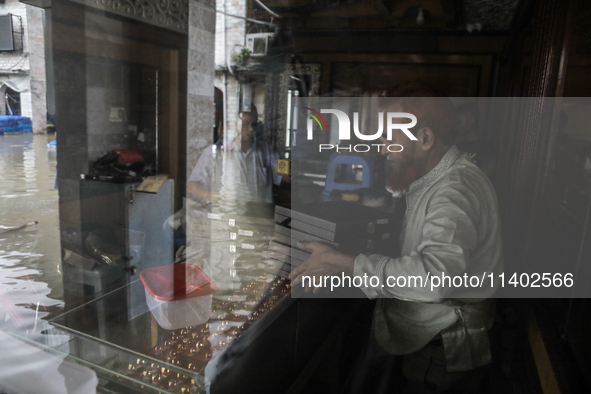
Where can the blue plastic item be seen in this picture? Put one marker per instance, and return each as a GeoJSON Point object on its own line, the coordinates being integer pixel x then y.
{"type": "Point", "coordinates": [15, 124]}
{"type": "Point", "coordinates": [342, 171]}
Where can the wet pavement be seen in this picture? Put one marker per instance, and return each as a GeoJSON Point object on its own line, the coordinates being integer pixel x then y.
{"type": "Point", "coordinates": [30, 270]}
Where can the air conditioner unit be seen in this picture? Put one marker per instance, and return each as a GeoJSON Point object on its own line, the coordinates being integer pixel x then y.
{"type": "Point", "coordinates": [258, 43]}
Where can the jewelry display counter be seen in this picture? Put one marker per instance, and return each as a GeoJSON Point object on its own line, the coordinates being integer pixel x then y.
{"type": "Point", "coordinates": [257, 339]}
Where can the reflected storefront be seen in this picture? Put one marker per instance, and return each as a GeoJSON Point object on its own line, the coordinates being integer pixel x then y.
{"type": "Point", "coordinates": [188, 160]}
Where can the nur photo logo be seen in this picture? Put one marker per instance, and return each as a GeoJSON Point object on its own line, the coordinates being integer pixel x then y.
{"type": "Point", "coordinates": [344, 127]}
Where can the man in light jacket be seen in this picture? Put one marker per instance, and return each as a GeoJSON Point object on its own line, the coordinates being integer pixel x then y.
{"type": "Point", "coordinates": [451, 227]}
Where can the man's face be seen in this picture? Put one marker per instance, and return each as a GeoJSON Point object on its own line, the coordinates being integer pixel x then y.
{"type": "Point", "coordinates": [402, 168]}
{"type": "Point", "coordinates": [247, 122]}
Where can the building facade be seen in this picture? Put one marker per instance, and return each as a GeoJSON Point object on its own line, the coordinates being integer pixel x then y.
{"type": "Point", "coordinates": [22, 63]}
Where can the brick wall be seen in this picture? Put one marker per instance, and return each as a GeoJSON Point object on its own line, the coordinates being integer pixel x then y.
{"type": "Point", "coordinates": [36, 50]}
{"type": "Point", "coordinates": [235, 32]}
{"type": "Point", "coordinates": [232, 88]}
{"type": "Point", "coordinates": [235, 29]}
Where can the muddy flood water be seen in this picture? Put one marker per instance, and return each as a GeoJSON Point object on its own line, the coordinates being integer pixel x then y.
{"type": "Point", "coordinates": [30, 264]}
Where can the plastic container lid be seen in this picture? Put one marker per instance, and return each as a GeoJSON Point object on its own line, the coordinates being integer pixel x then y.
{"type": "Point", "coordinates": [176, 282]}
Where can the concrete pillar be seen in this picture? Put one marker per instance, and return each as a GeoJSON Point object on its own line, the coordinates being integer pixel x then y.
{"type": "Point", "coordinates": [38, 91]}
{"type": "Point", "coordinates": [3, 100]}
{"type": "Point", "coordinates": [200, 115]}
{"type": "Point", "coordinates": [200, 85]}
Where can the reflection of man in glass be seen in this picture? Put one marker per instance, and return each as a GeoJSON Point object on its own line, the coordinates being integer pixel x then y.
{"type": "Point", "coordinates": [451, 226]}
{"type": "Point", "coordinates": [223, 180]}
{"type": "Point", "coordinates": [243, 174]}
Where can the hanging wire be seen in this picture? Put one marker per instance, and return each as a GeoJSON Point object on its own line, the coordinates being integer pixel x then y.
{"type": "Point", "coordinates": [245, 18]}
{"type": "Point", "coordinates": [267, 8]}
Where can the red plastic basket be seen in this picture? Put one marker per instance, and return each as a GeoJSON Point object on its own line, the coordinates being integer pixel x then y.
{"type": "Point", "coordinates": [176, 282]}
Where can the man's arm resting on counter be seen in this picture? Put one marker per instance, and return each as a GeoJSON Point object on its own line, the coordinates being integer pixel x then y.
{"type": "Point", "coordinates": [197, 191]}
{"type": "Point", "coordinates": [199, 182]}
{"type": "Point", "coordinates": [447, 238]}
{"type": "Point", "coordinates": [324, 261]}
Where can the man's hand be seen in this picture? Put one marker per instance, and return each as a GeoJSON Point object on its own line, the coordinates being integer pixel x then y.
{"type": "Point", "coordinates": [324, 261]}
{"type": "Point", "coordinates": [196, 190]}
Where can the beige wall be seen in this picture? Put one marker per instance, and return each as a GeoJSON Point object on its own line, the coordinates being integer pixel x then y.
{"type": "Point", "coordinates": [36, 49]}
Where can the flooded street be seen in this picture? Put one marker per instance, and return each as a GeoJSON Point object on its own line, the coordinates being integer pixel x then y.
{"type": "Point", "coordinates": [30, 271]}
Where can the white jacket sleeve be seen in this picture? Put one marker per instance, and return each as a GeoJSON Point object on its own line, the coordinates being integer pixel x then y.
{"type": "Point", "coordinates": [448, 237]}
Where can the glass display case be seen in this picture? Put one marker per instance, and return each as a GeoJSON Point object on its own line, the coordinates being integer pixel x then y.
{"type": "Point", "coordinates": [247, 332]}
{"type": "Point", "coordinates": [257, 339]}
{"type": "Point", "coordinates": [137, 355]}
